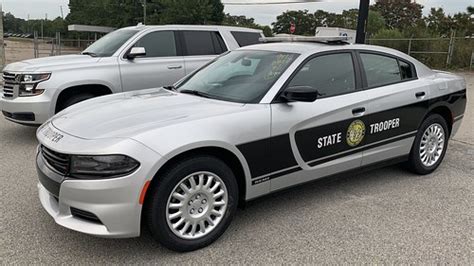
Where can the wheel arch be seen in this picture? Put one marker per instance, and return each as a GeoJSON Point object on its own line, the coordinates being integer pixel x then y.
{"type": "Point", "coordinates": [232, 158]}
{"type": "Point", "coordinates": [94, 88]}
{"type": "Point", "coordinates": [443, 111]}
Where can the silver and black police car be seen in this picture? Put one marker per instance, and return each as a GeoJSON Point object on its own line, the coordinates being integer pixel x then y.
{"type": "Point", "coordinates": [255, 120]}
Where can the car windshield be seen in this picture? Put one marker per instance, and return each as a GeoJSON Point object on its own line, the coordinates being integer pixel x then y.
{"type": "Point", "coordinates": [107, 45]}
{"type": "Point", "coordinates": [242, 76]}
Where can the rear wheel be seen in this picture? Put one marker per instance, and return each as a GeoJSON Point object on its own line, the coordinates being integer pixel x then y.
{"type": "Point", "coordinates": [192, 204]}
{"type": "Point", "coordinates": [430, 145]}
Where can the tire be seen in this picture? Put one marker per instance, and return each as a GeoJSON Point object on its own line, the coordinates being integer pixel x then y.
{"type": "Point", "coordinates": [419, 164]}
{"type": "Point", "coordinates": [159, 199]}
{"type": "Point", "coordinates": [75, 99]}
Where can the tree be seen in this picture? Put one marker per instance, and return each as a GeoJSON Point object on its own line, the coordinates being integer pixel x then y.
{"type": "Point", "coordinates": [438, 23]}
{"type": "Point", "coordinates": [113, 13]}
{"type": "Point", "coordinates": [267, 31]}
{"type": "Point", "coordinates": [11, 23]}
{"type": "Point", "coordinates": [192, 12]}
{"type": "Point", "coordinates": [470, 10]}
{"type": "Point", "coordinates": [241, 21]}
{"type": "Point", "coordinates": [304, 21]}
{"type": "Point", "coordinates": [375, 22]}
{"type": "Point", "coordinates": [400, 14]}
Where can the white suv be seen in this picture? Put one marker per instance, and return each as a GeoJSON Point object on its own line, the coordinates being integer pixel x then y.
{"type": "Point", "coordinates": [131, 58]}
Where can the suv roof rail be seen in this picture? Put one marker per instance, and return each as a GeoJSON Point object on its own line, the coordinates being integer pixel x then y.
{"type": "Point", "coordinates": [318, 39]}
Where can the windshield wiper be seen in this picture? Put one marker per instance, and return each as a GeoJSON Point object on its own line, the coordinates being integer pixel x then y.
{"type": "Point", "coordinates": [197, 93]}
{"type": "Point", "coordinates": [89, 53]}
{"type": "Point", "coordinates": [170, 88]}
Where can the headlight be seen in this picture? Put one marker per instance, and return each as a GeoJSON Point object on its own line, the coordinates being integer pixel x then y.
{"type": "Point", "coordinates": [29, 82]}
{"type": "Point", "coordinates": [34, 78]}
{"type": "Point", "coordinates": [101, 166]}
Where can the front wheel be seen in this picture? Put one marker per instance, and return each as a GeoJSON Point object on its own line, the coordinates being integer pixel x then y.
{"type": "Point", "coordinates": [430, 145]}
{"type": "Point", "coordinates": [74, 99]}
{"type": "Point", "coordinates": [192, 203]}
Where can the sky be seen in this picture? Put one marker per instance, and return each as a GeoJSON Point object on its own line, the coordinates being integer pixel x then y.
{"type": "Point", "coordinates": [263, 14]}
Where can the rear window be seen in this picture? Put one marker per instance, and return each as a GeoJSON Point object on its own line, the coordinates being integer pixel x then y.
{"type": "Point", "coordinates": [382, 70]}
{"type": "Point", "coordinates": [246, 38]}
{"type": "Point", "coordinates": [203, 43]}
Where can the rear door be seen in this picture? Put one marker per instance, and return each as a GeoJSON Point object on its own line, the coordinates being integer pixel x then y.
{"type": "Point", "coordinates": [398, 103]}
{"type": "Point", "coordinates": [311, 140]}
{"type": "Point", "coordinates": [161, 66]}
{"type": "Point", "coordinates": [200, 47]}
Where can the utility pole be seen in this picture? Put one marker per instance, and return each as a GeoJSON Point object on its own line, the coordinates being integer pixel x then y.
{"type": "Point", "coordinates": [42, 25]}
{"type": "Point", "coordinates": [362, 20]}
{"type": "Point", "coordinates": [2, 47]}
{"type": "Point", "coordinates": [144, 12]}
{"type": "Point", "coordinates": [62, 14]}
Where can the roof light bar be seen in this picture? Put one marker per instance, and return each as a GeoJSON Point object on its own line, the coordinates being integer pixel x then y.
{"type": "Point", "coordinates": [320, 39]}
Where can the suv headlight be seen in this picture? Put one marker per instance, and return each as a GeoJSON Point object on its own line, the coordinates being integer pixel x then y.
{"type": "Point", "coordinates": [101, 166]}
{"type": "Point", "coordinates": [29, 82]}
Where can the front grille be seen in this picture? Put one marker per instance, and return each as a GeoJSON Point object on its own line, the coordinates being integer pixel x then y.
{"type": "Point", "coordinates": [57, 161]}
{"type": "Point", "coordinates": [8, 84]}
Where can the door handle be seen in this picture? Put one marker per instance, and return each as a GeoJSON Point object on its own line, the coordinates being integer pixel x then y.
{"type": "Point", "coordinates": [420, 94]}
{"type": "Point", "coordinates": [358, 111]}
{"type": "Point", "coordinates": [174, 67]}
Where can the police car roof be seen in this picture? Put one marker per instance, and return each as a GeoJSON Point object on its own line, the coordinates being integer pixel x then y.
{"type": "Point", "coordinates": [302, 47]}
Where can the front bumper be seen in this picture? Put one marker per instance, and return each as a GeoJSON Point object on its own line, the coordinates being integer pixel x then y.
{"type": "Point", "coordinates": [33, 110]}
{"type": "Point", "coordinates": [114, 202]}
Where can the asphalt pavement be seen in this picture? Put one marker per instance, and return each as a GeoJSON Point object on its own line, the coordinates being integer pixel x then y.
{"type": "Point", "coordinates": [384, 216]}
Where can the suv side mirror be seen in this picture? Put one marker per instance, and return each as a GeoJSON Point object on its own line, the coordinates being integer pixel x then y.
{"type": "Point", "coordinates": [300, 94]}
{"type": "Point", "coordinates": [136, 52]}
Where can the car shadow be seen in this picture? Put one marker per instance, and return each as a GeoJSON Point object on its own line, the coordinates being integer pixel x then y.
{"type": "Point", "coordinates": [325, 191]}
{"type": "Point", "coordinates": [19, 134]}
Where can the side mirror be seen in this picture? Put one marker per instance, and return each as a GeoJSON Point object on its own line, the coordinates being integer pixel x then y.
{"type": "Point", "coordinates": [300, 94]}
{"type": "Point", "coordinates": [136, 52]}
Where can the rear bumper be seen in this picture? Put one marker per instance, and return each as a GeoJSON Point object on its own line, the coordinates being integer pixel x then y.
{"type": "Point", "coordinates": [456, 125]}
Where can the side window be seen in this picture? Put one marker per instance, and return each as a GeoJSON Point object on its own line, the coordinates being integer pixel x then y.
{"type": "Point", "coordinates": [380, 70]}
{"type": "Point", "coordinates": [218, 42]}
{"type": "Point", "coordinates": [246, 38]}
{"type": "Point", "coordinates": [406, 70]}
{"type": "Point", "coordinates": [203, 43]}
{"type": "Point", "coordinates": [331, 74]}
{"type": "Point", "coordinates": [158, 44]}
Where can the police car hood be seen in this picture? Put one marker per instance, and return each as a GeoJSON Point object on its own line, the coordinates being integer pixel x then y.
{"type": "Point", "coordinates": [128, 114]}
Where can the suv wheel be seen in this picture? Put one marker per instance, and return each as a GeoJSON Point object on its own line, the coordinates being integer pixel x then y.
{"type": "Point", "coordinates": [75, 99]}
{"type": "Point", "coordinates": [430, 145]}
{"type": "Point", "coordinates": [192, 204]}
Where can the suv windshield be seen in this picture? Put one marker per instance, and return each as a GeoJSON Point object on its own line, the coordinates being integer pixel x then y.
{"type": "Point", "coordinates": [242, 76]}
{"type": "Point", "coordinates": [107, 45]}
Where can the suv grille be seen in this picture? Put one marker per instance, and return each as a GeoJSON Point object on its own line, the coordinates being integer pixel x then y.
{"type": "Point", "coordinates": [57, 161]}
{"type": "Point", "coordinates": [8, 84]}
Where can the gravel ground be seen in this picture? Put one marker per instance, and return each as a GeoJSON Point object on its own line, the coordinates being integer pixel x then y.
{"type": "Point", "coordinates": [384, 216]}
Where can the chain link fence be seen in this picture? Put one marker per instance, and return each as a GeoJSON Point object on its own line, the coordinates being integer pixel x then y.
{"type": "Point", "coordinates": [441, 53]}
{"type": "Point", "coordinates": [452, 52]}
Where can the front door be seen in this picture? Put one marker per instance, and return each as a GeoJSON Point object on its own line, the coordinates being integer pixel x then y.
{"type": "Point", "coordinates": [323, 137]}
{"type": "Point", "coordinates": [161, 66]}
